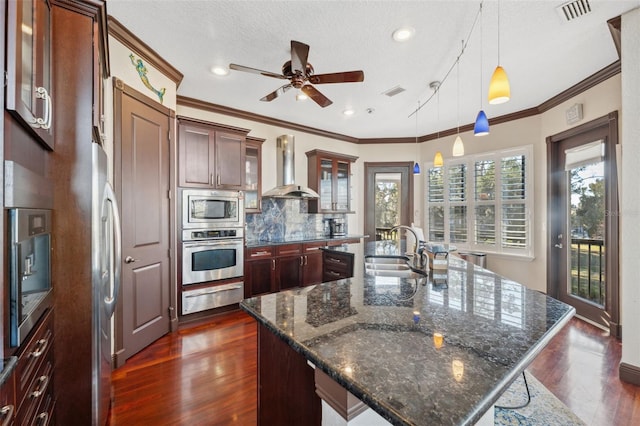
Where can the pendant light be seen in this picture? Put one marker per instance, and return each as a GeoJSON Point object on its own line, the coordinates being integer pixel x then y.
{"type": "Point", "coordinates": [481, 126]}
{"type": "Point", "coordinates": [458, 146]}
{"type": "Point", "coordinates": [438, 161]}
{"type": "Point", "coordinates": [416, 166]}
{"type": "Point", "coordinates": [499, 88]}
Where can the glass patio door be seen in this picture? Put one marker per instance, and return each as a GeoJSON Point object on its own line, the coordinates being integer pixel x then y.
{"type": "Point", "coordinates": [582, 212]}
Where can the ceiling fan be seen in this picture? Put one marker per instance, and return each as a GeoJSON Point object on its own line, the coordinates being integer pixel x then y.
{"type": "Point", "coordinates": [300, 75]}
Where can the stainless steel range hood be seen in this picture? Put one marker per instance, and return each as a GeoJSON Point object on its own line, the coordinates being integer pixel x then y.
{"type": "Point", "coordinates": [285, 169]}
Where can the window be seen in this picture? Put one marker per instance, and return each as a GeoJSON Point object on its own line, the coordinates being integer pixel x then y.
{"type": "Point", "coordinates": [483, 202]}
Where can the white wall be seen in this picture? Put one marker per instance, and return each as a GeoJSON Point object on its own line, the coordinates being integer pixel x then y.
{"type": "Point", "coordinates": [630, 196]}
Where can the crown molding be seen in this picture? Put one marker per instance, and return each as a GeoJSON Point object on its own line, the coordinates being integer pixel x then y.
{"type": "Point", "coordinates": [589, 82]}
{"type": "Point", "coordinates": [127, 38]}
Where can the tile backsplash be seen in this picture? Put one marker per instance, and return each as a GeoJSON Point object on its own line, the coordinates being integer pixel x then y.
{"type": "Point", "coordinates": [285, 219]}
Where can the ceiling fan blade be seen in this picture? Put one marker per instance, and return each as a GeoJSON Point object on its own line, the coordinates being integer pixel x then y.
{"type": "Point", "coordinates": [256, 71]}
{"type": "Point", "coordinates": [299, 55]}
{"type": "Point", "coordinates": [338, 77]}
{"type": "Point", "coordinates": [317, 97]}
{"type": "Point", "coordinates": [271, 96]}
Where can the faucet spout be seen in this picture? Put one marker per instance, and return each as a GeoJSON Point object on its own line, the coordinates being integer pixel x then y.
{"type": "Point", "coordinates": [415, 253]}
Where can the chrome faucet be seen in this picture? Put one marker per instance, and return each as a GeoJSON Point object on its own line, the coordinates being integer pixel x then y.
{"type": "Point", "coordinates": [418, 258]}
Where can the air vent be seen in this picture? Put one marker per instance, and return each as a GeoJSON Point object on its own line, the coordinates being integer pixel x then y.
{"type": "Point", "coordinates": [573, 10]}
{"type": "Point", "coordinates": [394, 91]}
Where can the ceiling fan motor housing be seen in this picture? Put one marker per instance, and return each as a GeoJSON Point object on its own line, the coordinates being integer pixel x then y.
{"type": "Point", "coordinates": [296, 76]}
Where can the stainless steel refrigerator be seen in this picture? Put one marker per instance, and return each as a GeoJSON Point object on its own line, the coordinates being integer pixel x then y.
{"type": "Point", "coordinates": [105, 277]}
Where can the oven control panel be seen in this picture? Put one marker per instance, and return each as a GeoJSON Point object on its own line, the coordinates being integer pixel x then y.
{"type": "Point", "coordinates": [212, 234]}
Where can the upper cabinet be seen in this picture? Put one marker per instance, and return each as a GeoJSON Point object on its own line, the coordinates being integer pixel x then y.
{"type": "Point", "coordinates": [329, 174]}
{"type": "Point", "coordinates": [211, 155]}
{"type": "Point", "coordinates": [101, 73]}
{"type": "Point", "coordinates": [253, 177]}
{"type": "Point", "coordinates": [28, 95]}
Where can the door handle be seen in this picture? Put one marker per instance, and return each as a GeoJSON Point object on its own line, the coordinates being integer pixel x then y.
{"type": "Point", "coordinates": [559, 245]}
{"type": "Point", "coordinates": [129, 259]}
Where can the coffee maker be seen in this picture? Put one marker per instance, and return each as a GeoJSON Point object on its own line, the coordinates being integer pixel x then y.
{"type": "Point", "coordinates": [335, 227]}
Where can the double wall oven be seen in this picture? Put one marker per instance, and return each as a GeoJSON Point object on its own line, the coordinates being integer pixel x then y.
{"type": "Point", "coordinates": [212, 249]}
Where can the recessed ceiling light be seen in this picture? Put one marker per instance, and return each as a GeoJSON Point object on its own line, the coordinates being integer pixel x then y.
{"type": "Point", "coordinates": [348, 111]}
{"type": "Point", "coordinates": [403, 34]}
{"type": "Point", "coordinates": [220, 70]}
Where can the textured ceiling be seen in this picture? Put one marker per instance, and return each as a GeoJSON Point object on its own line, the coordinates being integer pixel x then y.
{"type": "Point", "coordinates": [542, 54]}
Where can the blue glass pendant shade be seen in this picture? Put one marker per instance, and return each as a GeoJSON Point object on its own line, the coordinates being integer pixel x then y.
{"type": "Point", "coordinates": [481, 127]}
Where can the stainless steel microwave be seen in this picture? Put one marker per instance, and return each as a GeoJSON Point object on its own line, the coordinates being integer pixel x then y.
{"type": "Point", "coordinates": [212, 208]}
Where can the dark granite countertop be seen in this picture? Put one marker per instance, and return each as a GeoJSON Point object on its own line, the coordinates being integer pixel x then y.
{"type": "Point", "coordinates": [8, 365]}
{"type": "Point", "coordinates": [378, 337]}
{"type": "Point", "coordinates": [310, 239]}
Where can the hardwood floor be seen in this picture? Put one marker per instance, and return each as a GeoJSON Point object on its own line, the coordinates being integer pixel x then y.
{"type": "Point", "coordinates": [206, 375]}
{"type": "Point", "coordinates": [201, 375]}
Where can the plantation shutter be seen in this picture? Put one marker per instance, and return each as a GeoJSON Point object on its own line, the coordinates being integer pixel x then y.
{"type": "Point", "coordinates": [514, 212]}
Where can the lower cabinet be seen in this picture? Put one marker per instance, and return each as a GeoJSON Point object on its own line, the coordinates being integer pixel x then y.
{"type": "Point", "coordinates": [337, 265]}
{"type": "Point", "coordinates": [8, 400]}
{"type": "Point", "coordinates": [269, 269]}
{"type": "Point", "coordinates": [259, 271]}
{"type": "Point", "coordinates": [34, 376]}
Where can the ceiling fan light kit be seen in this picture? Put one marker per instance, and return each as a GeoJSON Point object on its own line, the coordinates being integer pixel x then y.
{"type": "Point", "coordinates": [300, 74]}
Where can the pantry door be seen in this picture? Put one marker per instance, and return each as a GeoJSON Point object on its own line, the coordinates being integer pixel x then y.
{"type": "Point", "coordinates": [142, 176]}
{"type": "Point", "coordinates": [582, 253]}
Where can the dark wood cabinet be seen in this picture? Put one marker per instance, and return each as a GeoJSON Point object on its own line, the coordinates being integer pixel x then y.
{"type": "Point", "coordinates": [8, 400]}
{"type": "Point", "coordinates": [329, 174]}
{"type": "Point", "coordinates": [273, 268]}
{"type": "Point", "coordinates": [312, 263]}
{"type": "Point", "coordinates": [259, 271]}
{"type": "Point", "coordinates": [284, 376]}
{"type": "Point", "coordinates": [34, 375]}
{"type": "Point", "coordinates": [101, 73]}
{"type": "Point", "coordinates": [337, 265]}
{"type": "Point", "coordinates": [29, 84]}
{"type": "Point", "coordinates": [210, 155]}
{"type": "Point", "coordinates": [289, 262]}
{"type": "Point", "coordinates": [253, 177]}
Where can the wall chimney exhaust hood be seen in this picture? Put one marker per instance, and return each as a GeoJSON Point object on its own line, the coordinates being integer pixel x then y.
{"type": "Point", "coordinates": [285, 168]}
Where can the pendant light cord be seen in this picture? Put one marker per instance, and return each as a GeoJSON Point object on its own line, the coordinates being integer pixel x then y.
{"type": "Point", "coordinates": [464, 46]}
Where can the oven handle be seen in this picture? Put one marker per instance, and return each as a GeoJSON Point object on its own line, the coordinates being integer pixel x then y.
{"type": "Point", "coordinates": [217, 243]}
{"type": "Point", "coordinates": [235, 287]}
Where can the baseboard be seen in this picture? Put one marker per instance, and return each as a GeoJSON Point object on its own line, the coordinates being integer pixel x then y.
{"type": "Point", "coordinates": [629, 373]}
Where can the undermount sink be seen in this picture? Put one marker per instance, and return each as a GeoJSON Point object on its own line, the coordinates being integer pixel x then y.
{"type": "Point", "coordinates": [386, 260]}
{"type": "Point", "coordinates": [391, 266]}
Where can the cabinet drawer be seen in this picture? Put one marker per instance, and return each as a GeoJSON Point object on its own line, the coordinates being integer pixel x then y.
{"type": "Point", "coordinates": [8, 401]}
{"type": "Point", "coordinates": [44, 415]}
{"type": "Point", "coordinates": [336, 263]}
{"type": "Point", "coordinates": [260, 252]}
{"type": "Point", "coordinates": [38, 392]}
{"type": "Point", "coordinates": [288, 249]}
{"type": "Point", "coordinates": [313, 247]}
{"type": "Point", "coordinates": [31, 356]}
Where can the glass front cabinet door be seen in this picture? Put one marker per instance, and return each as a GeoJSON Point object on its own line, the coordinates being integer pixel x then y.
{"type": "Point", "coordinates": [329, 174]}
{"type": "Point", "coordinates": [29, 96]}
{"type": "Point", "coordinates": [253, 178]}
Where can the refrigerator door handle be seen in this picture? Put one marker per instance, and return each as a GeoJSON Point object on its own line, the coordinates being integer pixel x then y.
{"type": "Point", "coordinates": [110, 199]}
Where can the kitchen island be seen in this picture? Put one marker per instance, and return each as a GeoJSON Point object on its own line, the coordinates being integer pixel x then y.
{"type": "Point", "coordinates": [439, 349]}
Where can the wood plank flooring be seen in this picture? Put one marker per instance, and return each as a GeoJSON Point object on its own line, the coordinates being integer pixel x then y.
{"type": "Point", "coordinates": [206, 375]}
